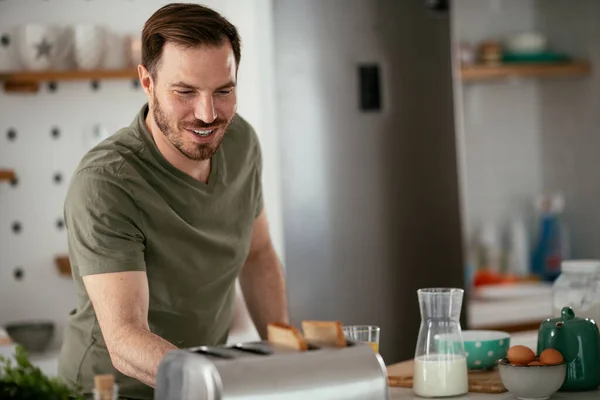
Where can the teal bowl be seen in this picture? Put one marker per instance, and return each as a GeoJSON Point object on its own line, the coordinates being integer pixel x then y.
{"type": "Point", "coordinates": [483, 348]}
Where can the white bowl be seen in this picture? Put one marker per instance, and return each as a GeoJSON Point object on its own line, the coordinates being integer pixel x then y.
{"type": "Point", "coordinates": [532, 382]}
{"type": "Point", "coordinates": [529, 42]}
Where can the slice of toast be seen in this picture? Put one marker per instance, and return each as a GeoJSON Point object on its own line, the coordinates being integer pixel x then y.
{"type": "Point", "coordinates": [324, 333]}
{"type": "Point", "coordinates": [280, 334]}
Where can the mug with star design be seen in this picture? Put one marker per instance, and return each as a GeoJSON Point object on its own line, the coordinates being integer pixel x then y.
{"type": "Point", "coordinates": [37, 46]}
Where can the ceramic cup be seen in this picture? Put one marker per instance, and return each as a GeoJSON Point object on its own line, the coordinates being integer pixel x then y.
{"type": "Point", "coordinates": [37, 46]}
{"type": "Point", "coordinates": [89, 45]}
{"type": "Point", "coordinates": [43, 47]}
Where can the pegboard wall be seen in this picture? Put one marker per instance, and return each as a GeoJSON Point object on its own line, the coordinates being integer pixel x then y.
{"type": "Point", "coordinates": [44, 135]}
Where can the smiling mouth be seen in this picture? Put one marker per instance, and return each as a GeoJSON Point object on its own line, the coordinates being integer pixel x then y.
{"type": "Point", "coordinates": [203, 132]}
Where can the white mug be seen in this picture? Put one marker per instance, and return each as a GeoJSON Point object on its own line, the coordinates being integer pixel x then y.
{"type": "Point", "coordinates": [37, 46]}
{"type": "Point", "coordinates": [89, 46]}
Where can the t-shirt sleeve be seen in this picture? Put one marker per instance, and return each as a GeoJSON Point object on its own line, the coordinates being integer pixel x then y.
{"type": "Point", "coordinates": [103, 224]}
{"type": "Point", "coordinates": [258, 197]}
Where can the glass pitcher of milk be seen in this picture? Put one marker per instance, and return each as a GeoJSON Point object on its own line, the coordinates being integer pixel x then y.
{"type": "Point", "coordinates": [440, 367]}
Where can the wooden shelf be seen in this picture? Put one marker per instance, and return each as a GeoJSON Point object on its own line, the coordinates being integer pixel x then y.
{"type": "Point", "coordinates": [29, 81]}
{"type": "Point", "coordinates": [7, 175]}
{"type": "Point", "coordinates": [63, 264]}
{"type": "Point", "coordinates": [503, 71]}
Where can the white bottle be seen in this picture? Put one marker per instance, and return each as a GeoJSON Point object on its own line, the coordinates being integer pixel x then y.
{"type": "Point", "coordinates": [518, 261]}
{"type": "Point", "coordinates": [490, 247]}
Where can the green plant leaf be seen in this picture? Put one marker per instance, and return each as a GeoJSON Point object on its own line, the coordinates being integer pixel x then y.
{"type": "Point", "coordinates": [25, 381]}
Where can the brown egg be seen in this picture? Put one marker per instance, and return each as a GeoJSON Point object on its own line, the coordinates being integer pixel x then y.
{"type": "Point", "coordinates": [520, 355]}
{"type": "Point", "coordinates": [535, 363]}
{"type": "Point", "coordinates": [551, 357]}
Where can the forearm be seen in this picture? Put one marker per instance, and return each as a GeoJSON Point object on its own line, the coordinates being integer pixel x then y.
{"type": "Point", "coordinates": [137, 352]}
{"type": "Point", "coordinates": [263, 285]}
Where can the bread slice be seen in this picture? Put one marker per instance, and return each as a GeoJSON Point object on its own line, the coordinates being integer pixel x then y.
{"type": "Point", "coordinates": [280, 334]}
{"type": "Point", "coordinates": [324, 333]}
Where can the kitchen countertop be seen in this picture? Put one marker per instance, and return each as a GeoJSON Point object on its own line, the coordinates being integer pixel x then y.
{"type": "Point", "coordinates": [407, 394]}
{"type": "Point", "coordinates": [528, 339]}
{"type": "Point", "coordinates": [397, 393]}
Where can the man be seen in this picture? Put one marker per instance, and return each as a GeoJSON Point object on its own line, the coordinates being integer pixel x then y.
{"type": "Point", "coordinates": [165, 215]}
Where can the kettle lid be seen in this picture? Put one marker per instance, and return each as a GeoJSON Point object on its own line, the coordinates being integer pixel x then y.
{"type": "Point", "coordinates": [568, 317]}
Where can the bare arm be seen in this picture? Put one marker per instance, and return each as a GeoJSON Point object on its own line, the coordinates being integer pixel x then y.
{"type": "Point", "coordinates": [262, 279]}
{"type": "Point", "coordinates": [120, 300]}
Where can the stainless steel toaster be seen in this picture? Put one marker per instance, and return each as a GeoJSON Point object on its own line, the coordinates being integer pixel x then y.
{"type": "Point", "coordinates": [260, 371]}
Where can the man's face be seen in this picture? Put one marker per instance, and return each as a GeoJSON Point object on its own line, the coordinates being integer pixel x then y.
{"type": "Point", "coordinates": [194, 97]}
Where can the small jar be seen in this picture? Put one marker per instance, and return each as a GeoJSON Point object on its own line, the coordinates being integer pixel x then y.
{"type": "Point", "coordinates": [578, 287]}
{"type": "Point", "coordinates": [107, 394]}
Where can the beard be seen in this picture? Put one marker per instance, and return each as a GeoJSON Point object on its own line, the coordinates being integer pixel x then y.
{"type": "Point", "coordinates": [192, 150]}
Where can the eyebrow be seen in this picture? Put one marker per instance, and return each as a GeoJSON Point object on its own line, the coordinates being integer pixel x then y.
{"type": "Point", "coordinates": [182, 84]}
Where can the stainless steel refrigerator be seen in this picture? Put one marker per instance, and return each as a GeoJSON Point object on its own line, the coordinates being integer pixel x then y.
{"type": "Point", "coordinates": [370, 183]}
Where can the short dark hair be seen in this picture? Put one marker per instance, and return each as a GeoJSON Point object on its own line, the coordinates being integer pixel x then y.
{"type": "Point", "coordinates": [187, 25]}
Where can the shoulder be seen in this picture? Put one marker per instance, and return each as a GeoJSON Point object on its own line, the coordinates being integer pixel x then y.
{"type": "Point", "coordinates": [104, 169]}
{"type": "Point", "coordinates": [240, 127]}
{"type": "Point", "coordinates": [113, 152]}
{"type": "Point", "coordinates": [241, 139]}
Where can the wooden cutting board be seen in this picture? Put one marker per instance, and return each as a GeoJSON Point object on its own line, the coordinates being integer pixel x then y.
{"type": "Point", "coordinates": [401, 375]}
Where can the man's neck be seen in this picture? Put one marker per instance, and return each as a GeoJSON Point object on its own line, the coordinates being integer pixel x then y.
{"type": "Point", "coordinates": [199, 170]}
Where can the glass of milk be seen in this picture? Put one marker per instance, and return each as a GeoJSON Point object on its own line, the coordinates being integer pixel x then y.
{"type": "Point", "coordinates": [440, 359]}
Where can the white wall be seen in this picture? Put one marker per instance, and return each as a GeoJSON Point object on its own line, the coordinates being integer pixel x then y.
{"type": "Point", "coordinates": [36, 202]}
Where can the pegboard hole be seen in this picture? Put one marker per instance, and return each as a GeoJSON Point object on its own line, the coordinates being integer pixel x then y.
{"type": "Point", "coordinates": [11, 134]}
{"type": "Point", "coordinates": [52, 86]}
{"type": "Point", "coordinates": [55, 132]}
{"type": "Point", "coordinates": [95, 85]}
{"type": "Point", "coordinates": [5, 40]}
{"type": "Point", "coordinates": [60, 224]}
{"type": "Point", "coordinates": [57, 178]}
{"type": "Point", "coordinates": [18, 273]}
{"type": "Point", "coordinates": [14, 182]}
{"type": "Point", "coordinates": [16, 227]}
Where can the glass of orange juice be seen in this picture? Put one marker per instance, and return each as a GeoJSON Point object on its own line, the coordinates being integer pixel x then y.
{"type": "Point", "coordinates": [363, 333]}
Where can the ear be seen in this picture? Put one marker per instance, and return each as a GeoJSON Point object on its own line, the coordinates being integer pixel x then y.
{"type": "Point", "coordinates": [146, 80]}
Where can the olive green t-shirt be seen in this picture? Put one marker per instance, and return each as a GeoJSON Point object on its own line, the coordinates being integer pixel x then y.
{"type": "Point", "coordinates": [129, 209]}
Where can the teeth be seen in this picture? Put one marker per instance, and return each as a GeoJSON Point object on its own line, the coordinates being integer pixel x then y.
{"type": "Point", "coordinates": [203, 133]}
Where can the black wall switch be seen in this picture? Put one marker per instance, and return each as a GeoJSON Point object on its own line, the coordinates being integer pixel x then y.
{"type": "Point", "coordinates": [369, 87]}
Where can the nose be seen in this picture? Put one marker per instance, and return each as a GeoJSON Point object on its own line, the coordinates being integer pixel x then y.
{"type": "Point", "coordinates": [205, 109]}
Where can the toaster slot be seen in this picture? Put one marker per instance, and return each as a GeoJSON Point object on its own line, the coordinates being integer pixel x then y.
{"type": "Point", "coordinates": [213, 351]}
{"type": "Point", "coordinates": [258, 349]}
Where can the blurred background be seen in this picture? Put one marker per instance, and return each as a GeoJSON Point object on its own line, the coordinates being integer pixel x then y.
{"type": "Point", "coordinates": [406, 144]}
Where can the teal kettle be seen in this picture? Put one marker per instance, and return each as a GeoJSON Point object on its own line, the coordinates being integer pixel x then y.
{"type": "Point", "coordinates": [578, 340]}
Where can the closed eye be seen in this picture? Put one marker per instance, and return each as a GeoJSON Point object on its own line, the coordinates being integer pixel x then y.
{"type": "Point", "coordinates": [225, 91]}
